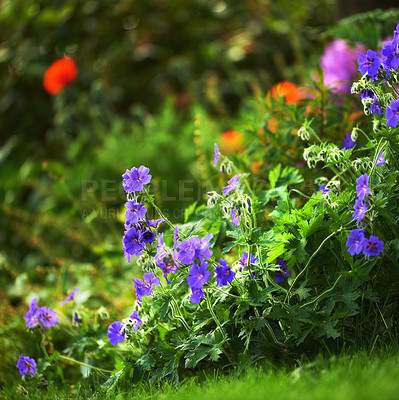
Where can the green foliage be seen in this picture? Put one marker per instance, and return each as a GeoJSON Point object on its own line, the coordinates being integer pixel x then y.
{"type": "Point", "coordinates": [63, 224]}
{"type": "Point", "coordinates": [367, 28]}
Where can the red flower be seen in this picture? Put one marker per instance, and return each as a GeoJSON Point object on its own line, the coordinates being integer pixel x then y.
{"type": "Point", "coordinates": [293, 93]}
{"type": "Point", "coordinates": [232, 141]}
{"type": "Point", "coordinates": [59, 75]}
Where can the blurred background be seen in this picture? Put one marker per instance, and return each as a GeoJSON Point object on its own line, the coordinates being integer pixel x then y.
{"type": "Point", "coordinates": [158, 83]}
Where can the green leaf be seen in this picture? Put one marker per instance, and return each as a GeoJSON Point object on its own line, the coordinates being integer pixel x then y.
{"type": "Point", "coordinates": [302, 292]}
{"type": "Point", "coordinates": [189, 211]}
{"type": "Point", "coordinates": [274, 175]}
{"type": "Point", "coordinates": [194, 358]}
{"type": "Point", "coordinates": [327, 329]}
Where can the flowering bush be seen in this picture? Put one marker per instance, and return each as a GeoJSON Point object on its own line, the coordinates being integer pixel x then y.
{"type": "Point", "coordinates": [305, 274]}
{"type": "Point", "coordinates": [270, 267]}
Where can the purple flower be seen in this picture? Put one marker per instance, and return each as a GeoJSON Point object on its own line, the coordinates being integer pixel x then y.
{"type": "Point", "coordinates": [362, 188]}
{"type": "Point", "coordinates": [187, 250]}
{"type": "Point", "coordinates": [216, 155]}
{"type": "Point", "coordinates": [392, 114]}
{"type": "Point", "coordinates": [135, 179]}
{"type": "Point", "coordinates": [231, 184]}
{"type": "Point", "coordinates": [154, 223]}
{"type": "Point", "coordinates": [145, 287]}
{"type": "Point", "coordinates": [369, 63]}
{"type": "Point", "coordinates": [348, 142]}
{"type": "Point", "coordinates": [115, 333]}
{"type": "Point", "coordinates": [176, 237]}
{"type": "Point", "coordinates": [193, 248]}
{"type": "Point", "coordinates": [134, 212]}
{"type": "Point", "coordinates": [26, 365]}
{"type": "Point", "coordinates": [76, 318]}
{"type": "Point", "coordinates": [244, 259]}
{"type": "Point", "coordinates": [375, 108]}
{"type": "Point", "coordinates": [224, 274]}
{"type": "Point", "coordinates": [360, 209]}
{"type": "Point", "coordinates": [236, 218]}
{"type": "Point", "coordinates": [47, 317]}
{"type": "Point", "coordinates": [324, 189]}
{"type": "Point", "coordinates": [373, 246]}
{"type": "Point", "coordinates": [396, 32]}
{"type": "Point", "coordinates": [381, 159]}
{"type": "Point", "coordinates": [338, 63]}
{"type": "Point", "coordinates": [31, 317]}
{"type": "Point", "coordinates": [367, 94]}
{"type": "Point", "coordinates": [283, 273]}
{"type": "Point", "coordinates": [196, 295]}
{"type": "Point", "coordinates": [132, 243]}
{"type": "Point", "coordinates": [355, 241]}
{"type": "Point", "coordinates": [136, 320]}
{"type": "Point", "coordinates": [164, 259]}
{"type": "Point", "coordinates": [148, 236]}
{"type": "Point", "coordinates": [281, 262]}
{"type": "Point", "coordinates": [205, 243]}
{"type": "Point", "coordinates": [198, 275]}
{"type": "Point", "coordinates": [70, 296]}
{"type": "Point", "coordinates": [43, 315]}
{"type": "Point", "coordinates": [389, 54]}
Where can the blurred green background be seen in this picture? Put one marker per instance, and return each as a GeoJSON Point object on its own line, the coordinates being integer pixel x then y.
{"type": "Point", "coordinates": [150, 74]}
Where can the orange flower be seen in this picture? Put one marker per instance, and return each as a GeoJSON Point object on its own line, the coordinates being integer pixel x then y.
{"type": "Point", "coordinates": [256, 166]}
{"type": "Point", "coordinates": [231, 141]}
{"type": "Point", "coordinates": [292, 92]}
{"type": "Point", "coordinates": [59, 75]}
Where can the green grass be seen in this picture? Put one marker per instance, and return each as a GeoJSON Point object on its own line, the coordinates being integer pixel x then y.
{"type": "Point", "coordinates": [359, 377]}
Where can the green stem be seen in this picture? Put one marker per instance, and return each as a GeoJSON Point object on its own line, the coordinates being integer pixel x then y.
{"type": "Point", "coordinates": [176, 310]}
{"type": "Point", "coordinates": [227, 293]}
{"type": "Point", "coordinates": [83, 364]}
{"type": "Point", "coordinates": [322, 294]}
{"type": "Point", "coordinates": [210, 307]}
{"type": "Point", "coordinates": [307, 264]}
{"type": "Point", "coordinates": [161, 214]}
{"type": "Point", "coordinates": [42, 346]}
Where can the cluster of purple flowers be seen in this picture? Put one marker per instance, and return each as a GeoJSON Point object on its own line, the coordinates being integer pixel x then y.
{"type": "Point", "coordinates": [245, 261]}
{"type": "Point", "coordinates": [40, 316]}
{"type": "Point", "coordinates": [357, 242]}
{"type": "Point", "coordinates": [195, 252]}
{"type": "Point", "coordinates": [116, 331]}
{"type": "Point", "coordinates": [375, 66]}
{"type": "Point", "coordinates": [26, 365]}
{"type": "Point", "coordinates": [362, 190]}
{"type": "Point", "coordinates": [138, 232]}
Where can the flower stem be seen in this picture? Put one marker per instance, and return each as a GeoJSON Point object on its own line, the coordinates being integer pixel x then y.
{"type": "Point", "coordinates": [307, 264]}
{"type": "Point", "coordinates": [83, 364]}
